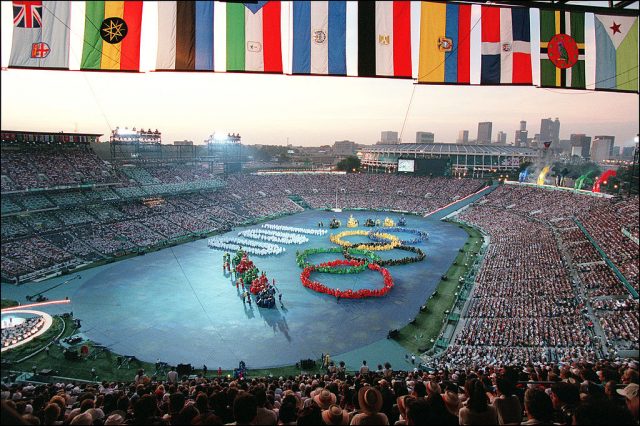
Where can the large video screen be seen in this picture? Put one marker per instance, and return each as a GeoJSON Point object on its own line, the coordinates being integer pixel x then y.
{"type": "Point", "coordinates": [406, 166]}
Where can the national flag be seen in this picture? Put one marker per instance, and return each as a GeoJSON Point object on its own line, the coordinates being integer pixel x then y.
{"type": "Point", "coordinates": [562, 59]}
{"type": "Point", "coordinates": [185, 35]}
{"type": "Point", "coordinates": [40, 34]}
{"type": "Point", "coordinates": [616, 52]}
{"type": "Point", "coordinates": [445, 33]}
{"type": "Point", "coordinates": [384, 38]}
{"type": "Point", "coordinates": [112, 35]}
{"type": "Point", "coordinates": [506, 46]}
{"type": "Point", "coordinates": [319, 37]}
{"type": "Point", "coordinates": [254, 37]}
{"type": "Point", "coordinates": [27, 14]}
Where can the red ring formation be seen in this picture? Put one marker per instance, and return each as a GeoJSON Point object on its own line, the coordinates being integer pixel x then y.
{"type": "Point", "coordinates": [347, 294]}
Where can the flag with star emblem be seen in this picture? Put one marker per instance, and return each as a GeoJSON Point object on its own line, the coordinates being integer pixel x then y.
{"type": "Point", "coordinates": [616, 52]}
{"type": "Point", "coordinates": [445, 43]}
{"type": "Point", "coordinates": [384, 39]}
{"type": "Point", "coordinates": [253, 37]}
{"type": "Point", "coordinates": [40, 34]}
{"type": "Point", "coordinates": [112, 35]}
{"type": "Point", "coordinates": [506, 46]}
{"type": "Point", "coordinates": [562, 57]}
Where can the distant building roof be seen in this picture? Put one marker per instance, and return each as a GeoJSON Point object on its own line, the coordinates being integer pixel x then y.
{"type": "Point", "coordinates": [450, 149]}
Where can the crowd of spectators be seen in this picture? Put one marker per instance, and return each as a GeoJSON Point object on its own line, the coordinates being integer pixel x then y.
{"type": "Point", "coordinates": [49, 167]}
{"type": "Point", "coordinates": [15, 333]}
{"type": "Point", "coordinates": [600, 280]}
{"type": "Point", "coordinates": [546, 393]}
{"type": "Point", "coordinates": [527, 303]}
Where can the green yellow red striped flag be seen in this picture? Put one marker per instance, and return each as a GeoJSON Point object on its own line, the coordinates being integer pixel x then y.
{"type": "Point", "coordinates": [112, 35]}
{"type": "Point", "coordinates": [562, 51]}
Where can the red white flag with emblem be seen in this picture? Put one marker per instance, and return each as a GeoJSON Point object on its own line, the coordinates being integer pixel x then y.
{"type": "Point", "coordinates": [40, 34]}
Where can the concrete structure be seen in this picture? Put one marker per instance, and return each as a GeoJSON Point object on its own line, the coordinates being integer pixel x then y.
{"type": "Point", "coordinates": [550, 131]}
{"type": "Point", "coordinates": [484, 132]}
{"type": "Point", "coordinates": [462, 157]}
{"type": "Point", "coordinates": [344, 148]}
{"type": "Point", "coordinates": [389, 137]}
{"type": "Point", "coordinates": [615, 152]}
{"type": "Point", "coordinates": [577, 151]}
{"type": "Point", "coordinates": [501, 138]}
{"type": "Point", "coordinates": [521, 138]}
{"type": "Point", "coordinates": [425, 137]}
{"type": "Point", "coordinates": [584, 142]}
{"type": "Point", "coordinates": [627, 151]}
{"type": "Point", "coordinates": [463, 137]}
{"type": "Point", "coordinates": [602, 148]}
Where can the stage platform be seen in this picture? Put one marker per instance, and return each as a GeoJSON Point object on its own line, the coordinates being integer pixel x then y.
{"type": "Point", "coordinates": [177, 305]}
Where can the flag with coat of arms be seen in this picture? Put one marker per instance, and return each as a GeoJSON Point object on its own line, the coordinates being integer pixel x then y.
{"type": "Point", "coordinates": [40, 34]}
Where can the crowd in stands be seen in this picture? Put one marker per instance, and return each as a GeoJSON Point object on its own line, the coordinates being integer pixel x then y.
{"type": "Point", "coordinates": [103, 222]}
{"type": "Point", "coordinates": [600, 280]}
{"type": "Point", "coordinates": [49, 167]}
{"type": "Point", "coordinates": [567, 393]}
{"type": "Point", "coordinates": [527, 303]}
{"type": "Point", "coordinates": [15, 333]}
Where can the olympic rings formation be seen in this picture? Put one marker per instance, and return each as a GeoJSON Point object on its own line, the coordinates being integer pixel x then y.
{"type": "Point", "coordinates": [346, 294]}
{"type": "Point", "coordinates": [338, 239]}
{"type": "Point", "coordinates": [369, 257]}
{"type": "Point", "coordinates": [392, 262]}
{"type": "Point", "coordinates": [379, 236]}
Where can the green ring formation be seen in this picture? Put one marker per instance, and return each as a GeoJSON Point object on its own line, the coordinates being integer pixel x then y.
{"type": "Point", "coordinates": [392, 262]}
{"type": "Point", "coordinates": [369, 257]}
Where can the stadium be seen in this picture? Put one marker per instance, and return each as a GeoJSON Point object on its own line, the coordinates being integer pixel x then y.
{"type": "Point", "coordinates": [147, 282]}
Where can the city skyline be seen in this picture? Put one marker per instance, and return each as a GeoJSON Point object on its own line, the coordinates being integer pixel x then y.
{"type": "Point", "coordinates": [300, 110]}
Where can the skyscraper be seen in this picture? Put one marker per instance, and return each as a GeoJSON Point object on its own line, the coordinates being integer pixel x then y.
{"type": "Point", "coordinates": [425, 137]}
{"type": "Point", "coordinates": [389, 137]}
{"type": "Point", "coordinates": [463, 137]}
{"type": "Point", "coordinates": [584, 142]}
{"type": "Point", "coordinates": [521, 135]}
{"type": "Point", "coordinates": [501, 138]}
{"type": "Point", "coordinates": [484, 132]}
{"type": "Point", "coordinates": [550, 131]}
{"type": "Point", "coordinates": [602, 148]}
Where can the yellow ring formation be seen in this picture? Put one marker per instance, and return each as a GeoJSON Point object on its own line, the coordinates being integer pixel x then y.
{"type": "Point", "coordinates": [337, 239]}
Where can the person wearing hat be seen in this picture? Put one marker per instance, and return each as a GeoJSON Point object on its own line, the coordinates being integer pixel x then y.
{"type": "Point", "coordinates": [630, 394]}
{"type": "Point", "coordinates": [370, 400]}
{"type": "Point", "coordinates": [116, 417]}
{"type": "Point", "coordinates": [324, 399]}
{"type": "Point", "coordinates": [402, 409]}
{"type": "Point", "coordinates": [451, 401]}
{"type": "Point", "coordinates": [335, 415]}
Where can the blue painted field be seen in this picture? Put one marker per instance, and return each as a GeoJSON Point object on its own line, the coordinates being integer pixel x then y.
{"type": "Point", "coordinates": [177, 305]}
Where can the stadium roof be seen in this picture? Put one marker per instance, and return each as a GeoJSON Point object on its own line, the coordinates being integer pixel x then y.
{"type": "Point", "coordinates": [449, 148]}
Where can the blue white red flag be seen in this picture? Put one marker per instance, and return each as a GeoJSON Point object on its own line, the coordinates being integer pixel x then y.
{"type": "Point", "coordinates": [319, 37]}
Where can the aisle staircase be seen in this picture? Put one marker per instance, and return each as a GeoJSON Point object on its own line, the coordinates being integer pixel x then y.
{"type": "Point", "coordinates": [299, 201]}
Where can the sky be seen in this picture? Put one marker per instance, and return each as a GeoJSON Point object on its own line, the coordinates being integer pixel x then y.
{"type": "Point", "coordinates": [284, 109]}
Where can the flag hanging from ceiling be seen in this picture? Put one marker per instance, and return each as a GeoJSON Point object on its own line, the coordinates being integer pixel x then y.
{"type": "Point", "coordinates": [112, 35]}
{"type": "Point", "coordinates": [384, 39]}
{"type": "Point", "coordinates": [40, 34]}
{"type": "Point", "coordinates": [445, 33]}
{"type": "Point", "coordinates": [319, 37]}
{"type": "Point", "coordinates": [506, 46]}
{"type": "Point", "coordinates": [254, 37]}
{"type": "Point", "coordinates": [562, 58]}
{"type": "Point", "coordinates": [616, 52]}
{"type": "Point", "coordinates": [185, 35]}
